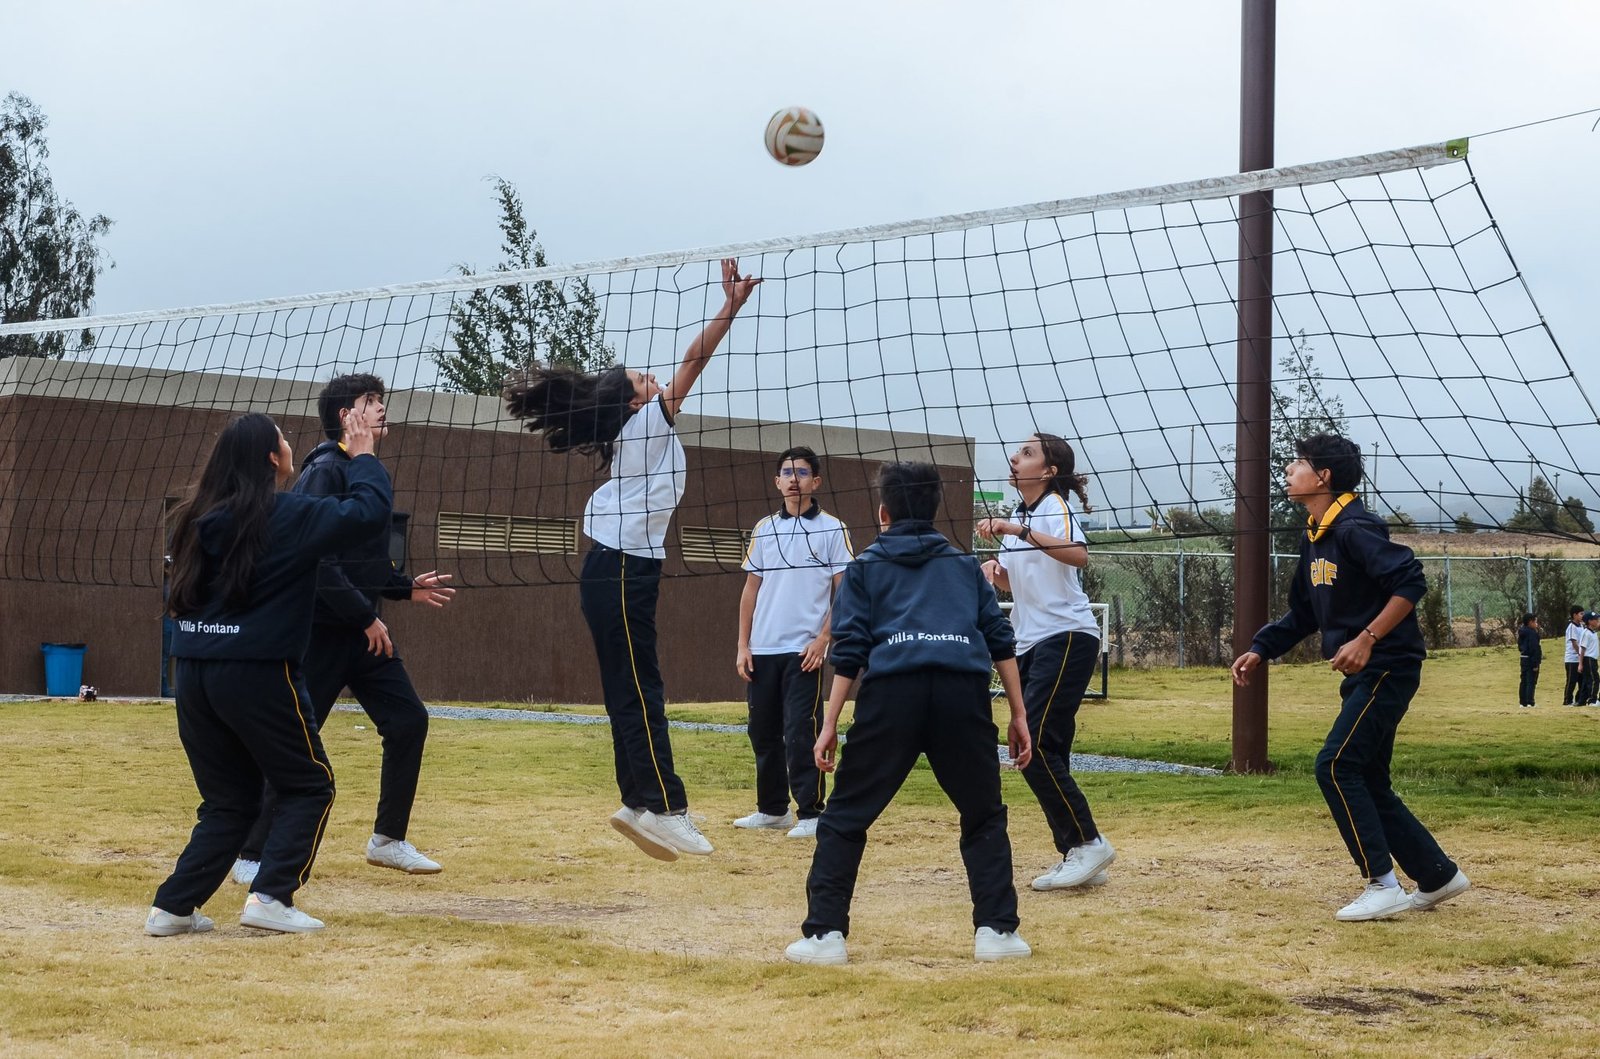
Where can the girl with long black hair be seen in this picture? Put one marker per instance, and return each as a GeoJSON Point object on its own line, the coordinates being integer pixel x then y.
{"type": "Point", "coordinates": [241, 590]}
{"type": "Point", "coordinates": [626, 418]}
{"type": "Point", "coordinates": [1058, 643]}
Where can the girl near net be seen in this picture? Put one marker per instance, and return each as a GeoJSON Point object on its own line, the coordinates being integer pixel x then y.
{"type": "Point", "coordinates": [625, 417]}
{"type": "Point", "coordinates": [242, 586]}
{"type": "Point", "coordinates": [1042, 548]}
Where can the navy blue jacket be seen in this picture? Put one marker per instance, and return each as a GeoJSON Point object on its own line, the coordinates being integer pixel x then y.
{"type": "Point", "coordinates": [913, 601]}
{"type": "Point", "coordinates": [1342, 583]}
{"type": "Point", "coordinates": [1528, 645]}
{"type": "Point", "coordinates": [276, 623]}
{"type": "Point", "coordinates": [351, 583]}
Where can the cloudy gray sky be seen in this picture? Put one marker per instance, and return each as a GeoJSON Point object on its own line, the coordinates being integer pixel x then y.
{"type": "Point", "coordinates": [248, 152]}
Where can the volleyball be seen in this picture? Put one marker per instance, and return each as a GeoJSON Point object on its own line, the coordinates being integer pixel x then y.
{"type": "Point", "coordinates": [794, 136]}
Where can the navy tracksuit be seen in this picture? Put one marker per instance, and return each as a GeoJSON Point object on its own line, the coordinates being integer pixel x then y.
{"type": "Point", "coordinates": [243, 710]}
{"type": "Point", "coordinates": [1349, 570]}
{"type": "Point", "coordinates": [1532, 652]}
{"type": "Point", "coordinates": [917, 614]}
{"type": "Point", "coordinates": [350, 588]}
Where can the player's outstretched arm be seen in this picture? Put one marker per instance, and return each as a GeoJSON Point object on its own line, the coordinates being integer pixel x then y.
{"type": "Point", "coordinates": [736, 290]}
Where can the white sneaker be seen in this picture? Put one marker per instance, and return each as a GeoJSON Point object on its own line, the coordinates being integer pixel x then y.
{"type": "Point", "coordinates": [989, 945]}
{"type": "Point", "coordinates": [159, 924]}
{"type": "Point", "coordinates": [765, 821]}
{"type": "Point", "coordinates": [1078, 867]}
{"type": "Point", "coordinates": [626, 821]}
{"type": "Point", "coordinates": [1377, 901]}
{"type": "Point", "coordinates": [401, 856]}
{"type": "Point", "coordinates": [265, 913]}
{"type": "Point", "coordinates": [675, 830]}
{"type": "Point", "coordinates": [1423, 900]}
{"type": "Point", "coordinates": [806, 828]}
{"type": "Point", "coordinates": [825, 949]}
{"type": "Point", "coordinates": [244, 871]}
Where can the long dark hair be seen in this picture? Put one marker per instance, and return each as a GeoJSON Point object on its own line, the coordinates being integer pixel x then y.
{"type": "Point", "coordinates": [239, 479]}
{"type": "Point", "coordinates": [576, 411]}
{"type": "Point", "coordinates": [1066, 479]}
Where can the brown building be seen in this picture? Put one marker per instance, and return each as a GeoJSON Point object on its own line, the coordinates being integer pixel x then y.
{"type": "Point", "coordinates": [92, 456]}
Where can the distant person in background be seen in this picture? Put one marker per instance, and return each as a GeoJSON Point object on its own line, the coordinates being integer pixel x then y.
{"type": "Point", "coordinates": [1589, 649]}
{"type": "Point", "coordinates": [1532, 653]}
{"type": "Point", "coordinates": [1572, 656]}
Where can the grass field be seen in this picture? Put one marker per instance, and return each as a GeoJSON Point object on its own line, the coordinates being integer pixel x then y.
{"type": "Point", "coordinates": [548, 934]}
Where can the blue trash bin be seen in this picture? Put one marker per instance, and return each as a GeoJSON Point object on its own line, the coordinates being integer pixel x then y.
{"type": "Point", "coordinates": [63, 668]}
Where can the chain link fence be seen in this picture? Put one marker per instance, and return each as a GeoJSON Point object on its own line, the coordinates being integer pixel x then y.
{"type": "Point", "coordinates": [1172, 608]}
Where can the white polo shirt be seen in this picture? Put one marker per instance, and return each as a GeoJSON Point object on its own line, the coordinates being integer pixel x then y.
{"type": "Point", "coordinates": [1574, 630]}
{"type": "Point", "coordinates": [1591, 643]}
{"type": "Point", "coordinates": [796, 558]}
{"type": "Point", "coordinates": [1047, 598]}
{"type": "Point", "coordinates": [632, 509]}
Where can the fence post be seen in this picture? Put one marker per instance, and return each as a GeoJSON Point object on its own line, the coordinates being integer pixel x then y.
{"type": "Point", "coordinates": [1116, 623]}
{"type": "Point", "coordinates": [1477, 623]}
{"type": "Point", "coordinates": [1181, 607]}
{"type": "Point", "coordinates": [1449, 606]}
{"type": "Point", "coordinates": [1527, 566]}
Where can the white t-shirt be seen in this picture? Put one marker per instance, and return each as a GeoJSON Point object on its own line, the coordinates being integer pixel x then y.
{"type": "Point", "coordinates": [1591, 643]}
{"type": "Point", "coordinates": [1574, 630]}
{"type": "Point", "coordinates": [796, 558]}
{"type": "Point", "coordinates": [632, 509]}
{"type": "Point", "coordinates": [1047, 597]}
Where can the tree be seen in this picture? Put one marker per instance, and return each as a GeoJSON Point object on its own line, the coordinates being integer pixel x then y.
{"type": "Point", "coordinates": [500, 330]}
{"type": "Point", "coordinates": [1300, 408]}
{"type": "Point", "coordinates": [1464, 523]}
{"type": "Point", "coordinates": [49, 260]}
{"type": "Point", "coordinates": [1539, 511]}
{"type": "Point", "coordinates": [1579, 512]}
{"type": "Point", "coordinates": [1400, 522]}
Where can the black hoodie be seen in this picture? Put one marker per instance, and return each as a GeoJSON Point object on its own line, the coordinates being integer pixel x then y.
{"type": "Point", "coordinates": [350, 584]}
{"type": "Point", "coordinates": [276, 622]}
{"type": "Point", "coordinates": [913, 601]}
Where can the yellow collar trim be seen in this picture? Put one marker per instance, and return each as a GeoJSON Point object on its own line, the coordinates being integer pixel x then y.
{"type": "Point", "coordinates": [344, 448]}
{"type": "Point", "coordinates": [1315, 529]}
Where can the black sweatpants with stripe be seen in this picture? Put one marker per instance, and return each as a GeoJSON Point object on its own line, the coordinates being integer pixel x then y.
{"type": "Point", "coordinates": [785, 717]}
{"type": "Point", "coordinates": [242, 722]}
{"type": "Point", "coordinates": [1574, 681]}
{"type": "Point", "coordinates": [1353, 771]}
{"type": "Point", "coordinates": [337, 659]}
{"type": "Point", "coordinates": [899, 717]}
{"type": "Point", "coordinates": [618, 592]}
{"type": "Point", "coordinates": [1055, 673]}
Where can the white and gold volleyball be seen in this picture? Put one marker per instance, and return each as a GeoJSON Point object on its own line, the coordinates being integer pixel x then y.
{"type": "Point", "coordinates": [794, 136]}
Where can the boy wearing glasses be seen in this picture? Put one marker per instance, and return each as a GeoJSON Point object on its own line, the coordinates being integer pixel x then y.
{"type": "Point", "coordinates": [794, 562]}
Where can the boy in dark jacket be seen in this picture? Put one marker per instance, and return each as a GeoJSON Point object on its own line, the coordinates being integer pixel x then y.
{"type": "Point", "coordinates": [350, 645]}
{"type": "Point", "coordinates": [1359, 589]}
{"type": "Point", "coordinates": [1532, 652]}
{"type": "Point", "coordinates": [919, 617]}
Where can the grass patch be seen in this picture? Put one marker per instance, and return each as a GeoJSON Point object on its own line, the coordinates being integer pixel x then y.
{"type": "Point", "coordinates": [548, 934]}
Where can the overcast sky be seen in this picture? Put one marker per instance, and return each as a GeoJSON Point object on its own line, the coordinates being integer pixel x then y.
{"type": "Point", "coordinates": [248, 152]}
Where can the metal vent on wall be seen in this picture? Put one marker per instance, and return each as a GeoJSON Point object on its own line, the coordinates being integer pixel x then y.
{"type": "Point", "coordinates": [714, 544]}
{"type": "Point", "coordinates": [507, 533]}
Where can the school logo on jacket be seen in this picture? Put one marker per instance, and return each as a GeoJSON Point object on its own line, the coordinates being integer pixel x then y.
{"type": "Point", "coordinates": [1323, 572]}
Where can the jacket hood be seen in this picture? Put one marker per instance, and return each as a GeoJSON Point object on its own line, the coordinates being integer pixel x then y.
{"type": "Point", "coordinates": [912, 543]}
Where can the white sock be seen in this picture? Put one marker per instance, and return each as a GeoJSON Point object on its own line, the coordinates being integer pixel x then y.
{"type": "Point", "coordinates": [1386, 879]}
{"type": "Point", "coordinates": [384, 840]}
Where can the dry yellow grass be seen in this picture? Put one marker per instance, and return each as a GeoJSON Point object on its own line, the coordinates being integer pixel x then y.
{"type": "Point", "coordinates": [548, 934]}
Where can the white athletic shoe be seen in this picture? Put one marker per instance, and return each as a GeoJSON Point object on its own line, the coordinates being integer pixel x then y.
{"type": "Point", "coordinates": [806, 828]}
{"type": "Point", "coordinates": [1423, 900]}
{"type": "Point", "coordinates": [244, 871]}
{"type": "Point", "coordinates": [401, 856]}
{"type": "Point", "coordinates": [1078, 867]}
{"type": "Point", "coordinates": [159, 924]}
{"type": "Point", "coordinates": [674, 829]}
{"type": "Point", "coordinates": [265, 913]}
{"type": "Point", "coordinates": [827, 949]}
{"type": "Point", "coordinates": [990, 945]}
{"type": "Point", "coordinates": [1377, 901]}
{"type": "Point", "coordinates": [765, 821]}
{"type": "Point", "coordinates": [626, 821]}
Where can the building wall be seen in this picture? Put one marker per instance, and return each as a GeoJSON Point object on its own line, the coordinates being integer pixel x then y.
{"type": "Point", "coordinates": [84, 481]}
